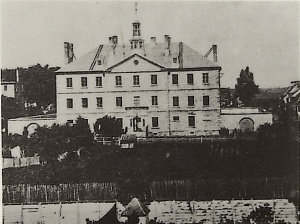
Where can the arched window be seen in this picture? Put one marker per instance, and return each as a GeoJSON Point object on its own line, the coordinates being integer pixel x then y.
{"type": "Point", "coordinates": [246, 124]}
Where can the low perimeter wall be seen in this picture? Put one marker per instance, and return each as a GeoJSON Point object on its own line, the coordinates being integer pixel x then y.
{"type": "Point", "coordinates": [205, 212]}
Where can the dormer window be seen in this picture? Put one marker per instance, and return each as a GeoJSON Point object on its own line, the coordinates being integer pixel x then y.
{"type": "Point", "coordinates": [99, 62]}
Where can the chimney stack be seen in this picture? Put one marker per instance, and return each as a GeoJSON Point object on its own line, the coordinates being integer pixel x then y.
{"type": "Point", "coordinates": [115, 40]}
{"type": "Point", "coordinates": [180, 55]}
{"type": "Point", "coordinates": [215, 53]}
{"type": "Point", "coordinates": [69, 54]}
{"type": "Point", "coordinates": [167, 42]}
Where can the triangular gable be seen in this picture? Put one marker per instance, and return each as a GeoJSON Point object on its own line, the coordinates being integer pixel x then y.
{"type": "Point", "coordinates": [135, 63]}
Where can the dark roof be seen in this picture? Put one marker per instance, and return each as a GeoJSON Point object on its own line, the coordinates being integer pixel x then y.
{"type": "Point", "coordinates": [152, 52]}
{"type": "Point", "coordinates": [269, 93]}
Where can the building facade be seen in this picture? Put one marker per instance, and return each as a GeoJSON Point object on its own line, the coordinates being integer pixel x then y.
{"type": "Point", "coordinates": [154, 89]}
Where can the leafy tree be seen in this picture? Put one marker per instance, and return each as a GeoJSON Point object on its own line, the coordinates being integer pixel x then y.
{"type": "Point", "coordinates": [39, 84]}
{"type": "Point", "coordinates": [108, 127]}
{"type": "Point", "coordinates": [50, 143]}
{"type": "Point", "coordinates": [245, 88]}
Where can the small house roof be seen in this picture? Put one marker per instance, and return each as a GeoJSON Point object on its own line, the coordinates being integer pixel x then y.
{"type": "Point", "coordinates": [135, 208]}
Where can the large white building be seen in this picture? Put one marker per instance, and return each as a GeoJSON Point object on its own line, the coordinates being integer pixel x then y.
{"type": "Point", "coordinates": [155, 88]}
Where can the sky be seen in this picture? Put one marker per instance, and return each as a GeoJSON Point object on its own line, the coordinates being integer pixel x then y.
{"type": "Point", "coordinates": [261, 35]}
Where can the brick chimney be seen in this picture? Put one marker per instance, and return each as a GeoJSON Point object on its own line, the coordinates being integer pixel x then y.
{"type": "Point", "coordinates": [180, 55]}
{"type": "Point", "coordinates": [69, 54]}
{"type": "Point", "coordinates": [167, 43]}
{"type": "Point", "coordinates": [215, 53]}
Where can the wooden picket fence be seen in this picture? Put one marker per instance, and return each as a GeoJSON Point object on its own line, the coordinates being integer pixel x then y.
{"type": "Point", "coordinates": [201, 189]}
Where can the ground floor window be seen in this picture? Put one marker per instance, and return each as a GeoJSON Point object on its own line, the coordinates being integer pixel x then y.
{"type": "Point", "coordinates": [191, 121]}
{"type": "Point", "coordinates": [154, 122]}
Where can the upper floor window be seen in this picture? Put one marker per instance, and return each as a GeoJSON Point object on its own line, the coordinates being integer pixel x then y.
{"type": "Point", "coordinates": [83, 81]}
{"type": "Point", "coordinates": [176, 101]}
{"type": "Point", "coordinates": [99, 102]}
{"type": "Point", "coordinates": [175, 79]}
{"type": "Point", "coordinates": [191, 101]}
{"type": "Point", "coordinates": [99, 62]}
{"type": "Point", "coordinates": [174, 60]}
{"type": "Point", "coordinates": [84, 102]}
{"type": "Point", "coordinates": [205, 78]}
{"type": "Point", "coordinates": [154, 100]}
{"type": "Point", "coordinates": [69, 82]}
{"type": "Point", "coordinates": [118, 101]}
{"type": "Point", "coordinates": [154, 122]}
{"type": "Point", "coordinates": [136, 80]}
{"type": "Point", "coordinates": [5, 88]}
{"type": "Point", "coordinates": [136, 101]}
{"type": "Point", "coordinates": [190, 79]}
{"type": "Point", "coordinates": [69, 103]}
{"type": "Point", "coordinates": [206, 100]}
{"type": "Point", "coordinates": [153, 79]}
{"type": "Point", "coordinates": [192, 121]}
{"type": "Point", "coordinates": [118, 80]}
{"type": "Point", "coordinates": [99, 81]}
{"type": "Point", "coordinates": [175, 118]}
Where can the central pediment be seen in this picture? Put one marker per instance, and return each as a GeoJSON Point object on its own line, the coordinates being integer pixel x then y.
{"type": "Point", "coordinates": [135, 63]}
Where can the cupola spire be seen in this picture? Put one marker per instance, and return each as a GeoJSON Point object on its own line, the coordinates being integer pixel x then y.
{"type": "Point", "coordinates": [136, 41]}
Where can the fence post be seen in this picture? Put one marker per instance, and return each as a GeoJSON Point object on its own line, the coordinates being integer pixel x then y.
{"type": "Point", "coordinates": [22, 215]}
{"type": "Point", "coordinates": [78, 214]}
{"type": "Point", "coordinates": [233, 214]}
{"type": "Point", "coordinates": [59, 214]}
{"type": "Point", "coordinates": [274, 215]}
{"type": "Point", "coordinates": [213, 209]}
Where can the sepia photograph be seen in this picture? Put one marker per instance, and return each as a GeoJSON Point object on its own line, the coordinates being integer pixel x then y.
{"type": "Point", "coordinates": [150, 112]}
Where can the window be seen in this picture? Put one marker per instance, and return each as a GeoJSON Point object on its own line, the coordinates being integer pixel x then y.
{"type": "Point", "coordinates": [99, 102]}
{"type": "Point", "coordinates": [190, 79]}
{"type": "Point", "coordinates": [174, 60]}
{"type": "Point", "coordinates": [191, 121]}
{"type": "Point", "coordinates": [175, 79]}
{"type": "Point", "coordinates": [70, 103]}
{"type": "Point", "coordinates": [205, 100]}
{"type": "Point", "coordinates": [136, 101]}
{"type": "Point", "coordinates": [5, 88]}
{"type": "Point", "coordinates": [175, 118]}
{"type": "Point", "coordinates": [69, 82]}
{"type": "Point", "coordinates": [154, 122]}
{"type": "Point", "coordinates": [136, 80]}
{"type": "Point", "coordinates": [118, 101]}
{"type": "Point", "coordinates": [191, 101]}
{"type": "Point", "coordinates": [154, 100]}
{"type": "Point", "coordinates": [99, 62]}
{"type": "Point", "coordinates": [205, 78]}
{"type": "Point", "coordinates": [118, 80]}
{"type": "Point", "coordinates": [84, 102]}
{"type": "Point", "coordinates": [99, 81]}
{"type": "Point", "coordinates": [176, 101]}
{"type": "Point", "coordinates": [153, 79]}
{"type": "Point", "coordinates": [83, 81]}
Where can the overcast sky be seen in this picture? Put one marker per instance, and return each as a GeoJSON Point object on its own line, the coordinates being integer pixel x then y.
{"type": "Point", "coordinates": [261, 35]}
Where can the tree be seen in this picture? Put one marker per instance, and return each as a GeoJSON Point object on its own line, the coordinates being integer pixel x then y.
{"type": "Point", "coordinates": [39, 84]}
{"type": "Point", "coordinates": [245, 88]}
{"type": "Point", "coordinates": [51, 142]}
{"type": "Point", "coordinates": [108, 127]}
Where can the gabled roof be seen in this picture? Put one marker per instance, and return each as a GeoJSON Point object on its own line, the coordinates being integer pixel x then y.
{"type": "Point", "coordinates": [155, 53]}
{"type": "Point", "coordinates": [135, 208]}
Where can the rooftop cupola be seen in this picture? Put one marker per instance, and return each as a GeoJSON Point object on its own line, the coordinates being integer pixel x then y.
{"type": "Point", "coordinates": [136, 41]}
